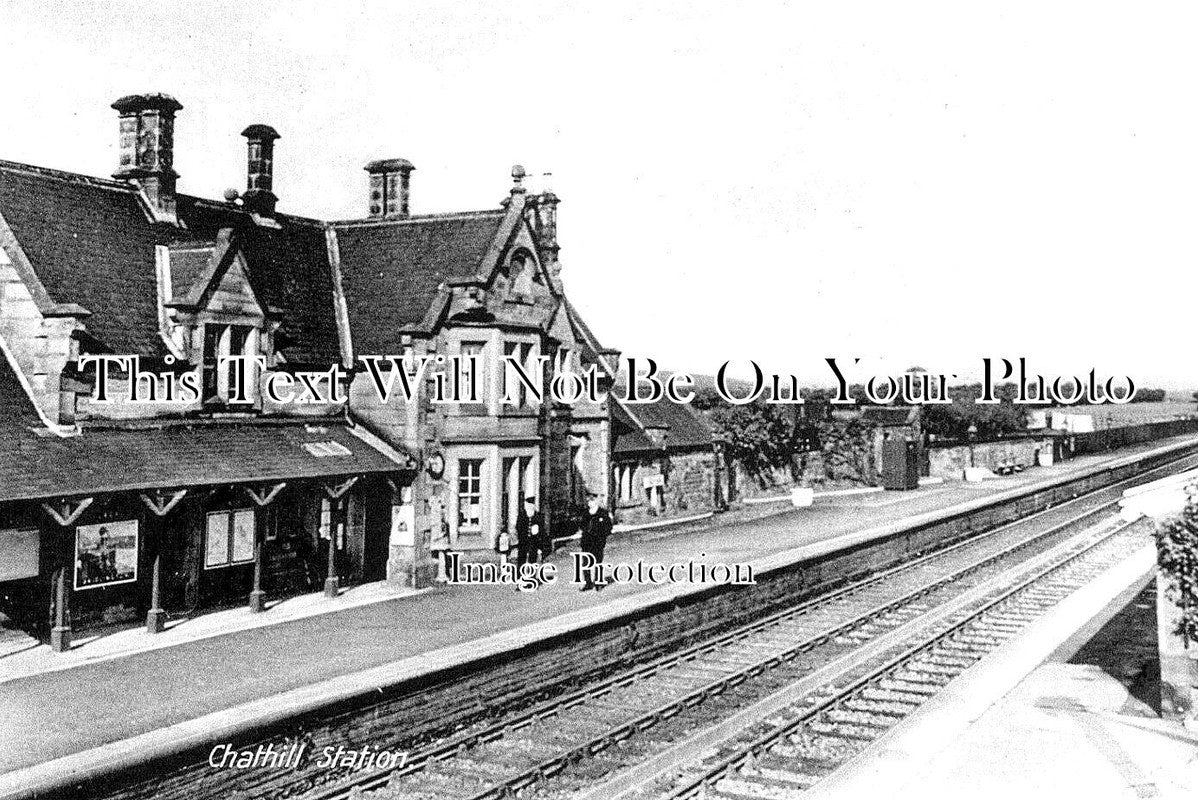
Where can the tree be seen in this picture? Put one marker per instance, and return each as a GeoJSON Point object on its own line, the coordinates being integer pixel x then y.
{"type": "Point", "coordinates": [1149, 396]}
{"type": "Point", "coordinates": [759, 435]}
{"type": "Point", "coordinates": [991, 420]}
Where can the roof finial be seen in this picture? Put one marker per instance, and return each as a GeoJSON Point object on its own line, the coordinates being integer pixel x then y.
{"type": "Point", "coordinates": [518, 175]}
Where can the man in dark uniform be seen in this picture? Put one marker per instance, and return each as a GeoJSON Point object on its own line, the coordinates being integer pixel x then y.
{"type": "Point", "coordinates": [595, 528]}
{"type": "Point", "coordinates": [530, 529]}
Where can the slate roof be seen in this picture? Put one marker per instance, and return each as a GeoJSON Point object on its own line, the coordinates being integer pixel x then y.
{"type": "Point", "coordinates": [391, 269]}
{"type": "Point", "coordinates": [36, 464]}
{"type": "Point", "coordinates": [90, 242]}
{"type": "Point", "coordinates": [188, 262]}
{"type": "Point", "coordinates": [626, 436]}
{"type": "Point", "coordinates": [289, 269]}
{"type": "Point", "coordinates": [684, 428]}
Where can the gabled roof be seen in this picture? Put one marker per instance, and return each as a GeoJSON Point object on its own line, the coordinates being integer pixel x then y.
{"type": "Point", "coordinates": [289, 271]}
{"type": "Point", "coordinates": [91, 242]}
{"type": "Point", "coordinates": [684, 429]}
{"type": "Point", "coordinates": [392, 270]}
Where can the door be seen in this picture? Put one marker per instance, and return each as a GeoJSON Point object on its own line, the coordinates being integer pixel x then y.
{"type": "Point", "coordinates": [376, 550]}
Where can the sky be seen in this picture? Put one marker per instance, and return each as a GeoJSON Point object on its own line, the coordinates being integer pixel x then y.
{"type": "Point", "coordinates": [909, 183]}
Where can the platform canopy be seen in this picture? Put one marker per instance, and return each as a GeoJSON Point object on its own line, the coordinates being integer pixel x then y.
{"type": "Point", "coordinates": [35, 463]}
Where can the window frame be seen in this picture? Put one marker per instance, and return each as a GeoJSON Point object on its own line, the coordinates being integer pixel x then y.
{"type": "Point", "coordinates": [476, 465]}
{"type": "Point", "coordinates": [522, 352]}
{"type": "Point", "coordinates": [465, 351]}
{"type": "Point", "coordinates": [218, 341]}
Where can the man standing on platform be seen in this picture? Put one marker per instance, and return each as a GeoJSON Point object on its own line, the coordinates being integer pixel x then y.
{"type": "Point", "coordinates": [595, 528]}
{"type": "Point", "coordinates": [530, 529]}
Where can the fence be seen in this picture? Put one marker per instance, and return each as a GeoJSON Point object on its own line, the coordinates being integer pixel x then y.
{"type": "Point", "coordinates": [1111, 438]}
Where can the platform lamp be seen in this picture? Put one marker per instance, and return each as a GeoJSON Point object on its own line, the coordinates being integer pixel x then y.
{"type": "Point", "coordinates": [970, 436]}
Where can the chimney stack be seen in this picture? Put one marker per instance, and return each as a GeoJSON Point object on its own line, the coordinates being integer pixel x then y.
{"type": "Point", "coordinates": [147, 143]}
{"type": "Point", "coordinates": [390, 188]}
{"type": "Point", "coordinates": [544, 211]}
{"type": "Point", "coordinates": [259, 194]}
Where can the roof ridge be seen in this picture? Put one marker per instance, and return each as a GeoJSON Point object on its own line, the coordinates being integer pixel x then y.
{"type": "Point", "coordinates": [70, 177]}
{"type": "Point", "coordinates": [442, 216]}
{"type": "Point", "coordinates": [233, 207]}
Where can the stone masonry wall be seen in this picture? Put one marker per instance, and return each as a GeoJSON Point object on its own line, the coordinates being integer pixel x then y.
{"type": "Point", "coordinates": [950, 462]}
{"type": "Point", "coordinates": [689, 488]}
{"type": "Point", "coordinates": [846, 458]}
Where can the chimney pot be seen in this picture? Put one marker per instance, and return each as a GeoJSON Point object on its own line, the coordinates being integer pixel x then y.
{"type": "Point", "coordinates": [259, 194]}
{"type": "Point", "coordinates": [147, 147]}
{"type": "Point", "coordinates": [390, 187]}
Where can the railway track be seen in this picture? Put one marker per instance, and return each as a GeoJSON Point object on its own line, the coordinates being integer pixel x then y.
{"type": "Point", "coordinates": [565, 746]}
{"type": "Point", "coordinates": [803, 742]}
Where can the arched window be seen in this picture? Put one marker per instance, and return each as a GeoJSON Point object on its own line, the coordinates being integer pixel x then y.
{"type": "Point", "coordinates": [521, 272]}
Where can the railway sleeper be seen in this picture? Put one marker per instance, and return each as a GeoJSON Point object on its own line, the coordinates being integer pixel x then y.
{"type": "Point", "coordinates": [740, 788]}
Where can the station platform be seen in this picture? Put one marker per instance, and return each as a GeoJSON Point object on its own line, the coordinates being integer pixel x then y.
{"type": "Point", "coordinates": [1068, 708]}
{"type": "Point", "coordinates": [52, 709]}
{"type": "Point", "coordinates": [1067, 730]}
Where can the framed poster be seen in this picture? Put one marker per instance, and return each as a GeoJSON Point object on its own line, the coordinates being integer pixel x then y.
{"type": "Point", "coordinates": [243, 535]}
{"type": "Point", "coordinates": [216, 540]}
{"type": "Point", "coordinates": [229, 538]}
{"type": "Point", "coordinates": [403, 525]}
{"type": "Point", "coordinates": [105, 554]}
{"type": "Point", "coordinates": [655, 481]}
{"type": "Point", "coordinates": [19, 553]}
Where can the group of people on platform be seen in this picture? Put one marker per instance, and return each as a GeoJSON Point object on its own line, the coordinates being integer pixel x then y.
{"type": "Point", "coordinates": [533, 544]}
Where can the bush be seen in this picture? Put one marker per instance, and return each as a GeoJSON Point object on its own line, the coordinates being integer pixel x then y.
{"type": "Point", "coordinates": [992, 421]}
{"type": "Point", "coordinates": [1177, 557]}
{"type": "Point", "coordinates": [760, 436]}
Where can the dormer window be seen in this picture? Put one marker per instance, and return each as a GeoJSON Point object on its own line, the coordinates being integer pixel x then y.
{"type": "Point", "coordinates": [220, 372]}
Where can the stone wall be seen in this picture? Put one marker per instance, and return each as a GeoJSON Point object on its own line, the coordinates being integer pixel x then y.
{"type": "Point", "coordinates": [40, 346]}
{"type": "Point", "coordinates": [848, 456]}
{"type": "Point", "coordinates": [689, 487]}
{"type": "Point", "coordinates": [950, 462]}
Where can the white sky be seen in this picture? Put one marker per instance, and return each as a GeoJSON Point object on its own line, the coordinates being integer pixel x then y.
{"type": "Point", "coordinates": [925, 183]}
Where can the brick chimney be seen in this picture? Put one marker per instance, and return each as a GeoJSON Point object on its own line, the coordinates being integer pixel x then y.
{"type": "Point", "coordinates": [390, 188]}
{"type": "Point", "coordinates": [259, 194]}
{"type": "Point", "coordinates": [147, 126]}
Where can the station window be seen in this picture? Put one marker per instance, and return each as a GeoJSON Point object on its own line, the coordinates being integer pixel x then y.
{"type": "Point", "coordinates": [625, 477]}
{"type": "Point", "coordinates": [564, 362]}
{"type": "Point", "coordinates": [520, 353]}
{"type": "Point", "coordinates": [470, 495]}
{"type": "Point", "coordinates": [220, 374]}
{"type": "Point", "coordinates": [326, 518]}
{"type": "Point", "coordinates": [325, 526]}
{"type": "Point", "coordinates": [473, 371]}
{"type": "Point", "coordinates": [518, 483]}
{"type": "Point", "coordinates": [229, 538]}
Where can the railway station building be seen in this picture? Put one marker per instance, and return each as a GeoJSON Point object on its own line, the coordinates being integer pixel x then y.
{"type": "Point", "coordinates": [488, 284]}
{"type": "Point", "coordinates": [209, 491]}
{"type": "Point", "coordinates": [664, 462]}
{"type": "Point", "coordinates": [111, 511]}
